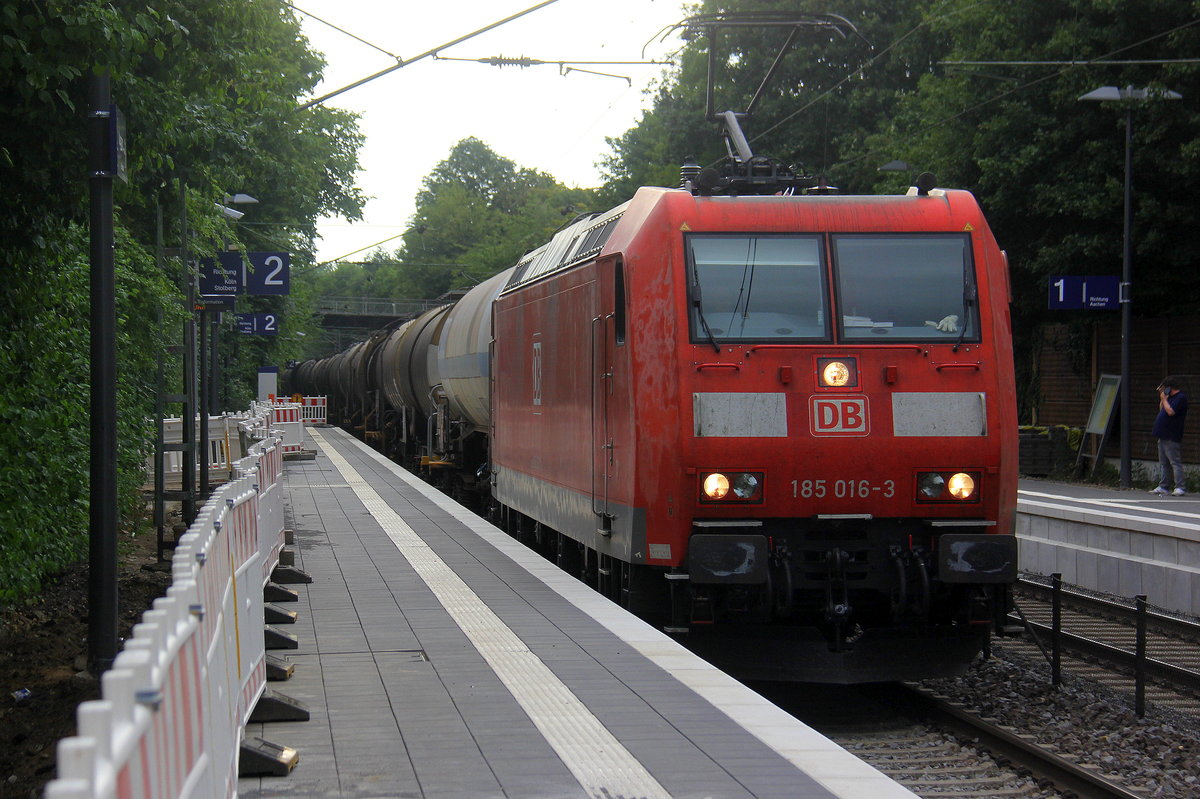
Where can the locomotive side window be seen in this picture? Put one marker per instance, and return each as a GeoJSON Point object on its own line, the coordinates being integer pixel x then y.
{"type": "Point", "coordinates": [756, 288]}
{"type": "Point", "coordinates": [914, 286]}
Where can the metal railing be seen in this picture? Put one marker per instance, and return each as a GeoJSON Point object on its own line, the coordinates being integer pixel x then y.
{"type": "Point", "coordinates": [373, 306]}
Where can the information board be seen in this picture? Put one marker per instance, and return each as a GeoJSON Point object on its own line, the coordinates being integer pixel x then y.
{"type": "Point", "coordinates": [1103, 404]}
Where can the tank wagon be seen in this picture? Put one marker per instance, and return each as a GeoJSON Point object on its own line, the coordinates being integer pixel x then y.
{"type": "Point", "coordinates": [782, 425]}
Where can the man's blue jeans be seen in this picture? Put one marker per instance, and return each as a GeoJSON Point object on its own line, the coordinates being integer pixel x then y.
{"type": "Point", "coordinates": [1170, 464]}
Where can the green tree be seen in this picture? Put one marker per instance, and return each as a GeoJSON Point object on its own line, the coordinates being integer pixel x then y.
{"type": "Point", "coordinates": [1046, 168]}
{"type": "Point", "coordinates": [1049, 168]}
{"type": "Point", "coordinates": [477, 213]}
{"type": "Point", "coordinates": [210, 94]}
{"type": "Point", "coordinates": [836, 83]}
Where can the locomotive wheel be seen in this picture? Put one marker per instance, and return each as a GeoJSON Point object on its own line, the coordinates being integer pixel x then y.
{"type": "Point", "coordinates": [568, 555]}
{"type": "Point", "coordinates": [590, 571]}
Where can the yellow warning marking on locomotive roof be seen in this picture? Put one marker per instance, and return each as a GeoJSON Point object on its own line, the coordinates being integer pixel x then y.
{"type": "Point", "coordinates": [685, 227]}
{"type": "Point", "coordinates": [967, 228]}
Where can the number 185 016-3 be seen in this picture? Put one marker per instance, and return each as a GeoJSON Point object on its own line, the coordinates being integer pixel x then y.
{"type": "Point", "coordinates": [842, 489]}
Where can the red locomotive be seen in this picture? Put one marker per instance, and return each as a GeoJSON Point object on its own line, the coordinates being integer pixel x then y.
{"type": "Point", "coordinates": [782, 418]}
{"type": "Point", "coordinates": [782, 421]}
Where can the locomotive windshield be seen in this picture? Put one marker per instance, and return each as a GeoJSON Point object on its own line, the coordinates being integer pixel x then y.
{"type": "Point", "coordinates": [888, 287]}
{"type": "Point", "coordinates": [757, 287]}
{"type": "Point", "coordinates": [913, 286]}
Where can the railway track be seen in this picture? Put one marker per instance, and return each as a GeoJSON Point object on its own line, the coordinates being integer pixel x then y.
{"type": "Point", "coordinates": [1098, 642]}
{"type": "Point", "coordinates": [939, 749]}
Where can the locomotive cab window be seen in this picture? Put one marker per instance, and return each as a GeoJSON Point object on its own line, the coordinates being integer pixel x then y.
{"type": "Point", "coordinates": [909, 287]}
{"type": "Point", "coordinates": [755, 288]}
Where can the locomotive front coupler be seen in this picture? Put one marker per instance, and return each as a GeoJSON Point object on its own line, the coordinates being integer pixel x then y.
{"type": "Point", "coordinates": [837, 608]}
{"type": "Point", "coordinates": [780, 580]}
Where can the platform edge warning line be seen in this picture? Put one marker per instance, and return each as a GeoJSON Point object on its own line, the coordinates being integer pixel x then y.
{"type": "Point", "coordinates": [601, 763]}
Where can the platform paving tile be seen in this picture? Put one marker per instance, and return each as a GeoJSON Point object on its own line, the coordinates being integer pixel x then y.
{"type": "Point", "coordinates": [448, 726]}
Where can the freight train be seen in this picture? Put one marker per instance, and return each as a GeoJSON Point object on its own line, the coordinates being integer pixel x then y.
{"type": "Point", "coordinates": [779, 425]}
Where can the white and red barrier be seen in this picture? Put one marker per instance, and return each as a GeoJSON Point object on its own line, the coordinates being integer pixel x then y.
{"type": "Point", "coordinates": [176, 700]}
{"type": "Point", "coordinates": [313, 410]}
{"type": "Point", "coordinates": [223, 446]}
{"type": "Point", "coordinates": [288, 419]}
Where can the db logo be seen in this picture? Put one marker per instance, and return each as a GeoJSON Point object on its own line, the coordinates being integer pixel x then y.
{"type": "Point", "coordinates": [839, 416]}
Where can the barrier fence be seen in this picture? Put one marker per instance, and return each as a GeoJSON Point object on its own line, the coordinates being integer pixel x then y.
{"type": "Point", "coordinates": [313, 410]}
{"type": "Point", "coordinates": [173, 707]}
{"type": "Point", "coordinates": [227, 442]}
{"type": "Point", "coordinates": [285, 417]}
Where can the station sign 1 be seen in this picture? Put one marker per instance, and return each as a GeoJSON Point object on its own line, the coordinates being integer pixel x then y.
{"type": "Point", "coordinates": [258, 324]}
{"type": "Point", "coordinates": [1071, 292]}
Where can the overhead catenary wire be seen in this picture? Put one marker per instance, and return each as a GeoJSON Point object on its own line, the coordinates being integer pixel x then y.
{"type": "Point", "coordinates": [564, 67]}
{"type": "Point", "coordinates": [1073, 63]}
{"type": "Point", "coordinates": [859, 70]}
{"type": "Point", "coordinates": [343, 31]}
{"type": "Point", "coordinates": [1099, 60]}
{"type": "Point", "coordinates": [424, 55]}
{"type": "Point", "coordinates": [308, 269]}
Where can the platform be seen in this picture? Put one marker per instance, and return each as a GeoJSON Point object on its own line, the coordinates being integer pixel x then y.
{"type": "Point", "coordinates": [440, 658]}
{"type": "Point", "coordinates": [1115, 541]}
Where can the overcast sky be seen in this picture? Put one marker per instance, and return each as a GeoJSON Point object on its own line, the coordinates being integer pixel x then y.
{"type": "Point", "coordinates": [534, 116]}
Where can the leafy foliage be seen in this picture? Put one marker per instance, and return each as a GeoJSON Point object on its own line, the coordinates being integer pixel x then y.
{"type": "Point", "coordinates": [210, 93]}
{"type": "Point", "coordinates": [477, 213]}
{"type": "Point", "coordinates": [1047, 168]}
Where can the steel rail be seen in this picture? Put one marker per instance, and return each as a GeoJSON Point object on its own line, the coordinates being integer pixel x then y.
{"type": "Point", "coordinates": [1066, 775]}
{"type": "Point", "coordinates": [1177, 675]}
{"type": "Point", "coordinates": [1159, 620]}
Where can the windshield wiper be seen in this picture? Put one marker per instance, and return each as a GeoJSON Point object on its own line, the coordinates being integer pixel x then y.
{"type": "Point", "coordinates": [700, 315]}
{"type": "Point", "coordinates": [970, 295]}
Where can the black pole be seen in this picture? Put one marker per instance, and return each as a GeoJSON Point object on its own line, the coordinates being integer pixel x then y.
{"type": "Point", "coordinates": [1056, 629]}
{"type": "Point", "coordinates": [188, 415]}
{"type": "Point", "coordinates": [1139, 667]}
{"type": "Point", "coordinates": [215, 403]}
{"type": "Point", "coordinates": [102, 543]}
{"type": "Point", "coordinates": [202, 445]}
{"type": "Point", "coordinates": [1126, 302]}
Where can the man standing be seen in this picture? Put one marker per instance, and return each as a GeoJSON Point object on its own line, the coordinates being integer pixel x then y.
{"type": "Point", "coordinates": [1168, 429]}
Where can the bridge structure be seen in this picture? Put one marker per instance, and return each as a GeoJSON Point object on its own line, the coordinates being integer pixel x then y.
{"type": "Point", "coordinates": [370, 312]}
{"type": "Point", "coordinates": [349, 319]}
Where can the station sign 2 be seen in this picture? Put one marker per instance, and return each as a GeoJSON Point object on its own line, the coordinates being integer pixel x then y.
{"type": "Point", "coordinates": [260, 273]}
{"type": "Point", "coordinates": [258, 324]}
{"type": "Point", "coordinates": [270, 273]}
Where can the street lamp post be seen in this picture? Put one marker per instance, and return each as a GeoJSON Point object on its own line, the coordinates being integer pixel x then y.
{"type": "Point", "coordinates": [1129, 95]}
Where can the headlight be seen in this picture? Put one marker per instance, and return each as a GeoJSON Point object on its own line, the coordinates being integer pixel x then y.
{"type": "Point", "coordinates": [961, 486]}
{"type": "Point", "coordinates": [716, 486]}
{"type": "Point", "coordinates": [947, 486]}
{"type": "Point", "coordinates": [746, 485]}
{"type": "Point", "coordinates": [931, 485]}
{"type": "Point", "coordinates": [837, 372]}
{"type": "Point", "coordinates": [731, 487]}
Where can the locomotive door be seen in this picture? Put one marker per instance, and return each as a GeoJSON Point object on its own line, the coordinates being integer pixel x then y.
{"type": "Point", "coordinates": [602, 389]}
